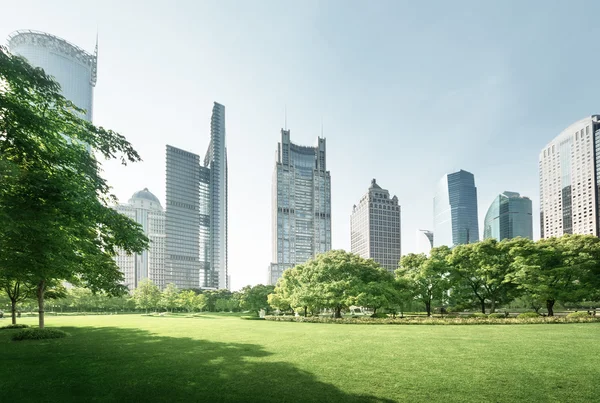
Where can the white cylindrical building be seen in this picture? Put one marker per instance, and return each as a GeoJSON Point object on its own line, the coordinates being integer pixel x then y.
{"type": "Point", "coordinates": [72, 67]}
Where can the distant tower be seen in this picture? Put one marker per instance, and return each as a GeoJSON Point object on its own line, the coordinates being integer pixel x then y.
{"type": "Point", "coordinates": [569, 169]}
{"type": "Point", "coordinates": [216, 160]}
{"type": "Point", "coordinates": [455, 220]}
{"type": "Point", "coordinates": [301, 205]}
{"type": "Point", "coordinates": [145, 209]}
{"type": "Point", "coordinates": [509, 216]}
{"type": "Point", "coordinates": [72, 67]}
{"type": "Point", "coordinates": [375, 227]}
{"type": "Point", "coordinates": [424, 241]}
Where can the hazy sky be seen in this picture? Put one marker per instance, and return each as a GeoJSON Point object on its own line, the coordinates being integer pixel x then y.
{"type": "Point", "coordinates": [406, 92]}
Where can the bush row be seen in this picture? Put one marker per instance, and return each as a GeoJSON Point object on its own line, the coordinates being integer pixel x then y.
{"type": "Point", "coordinates": [438, 321]}
{"type": "Point", "coordinates": [17, 326]}
{"type": "Point", "coordinates": [38, 334]}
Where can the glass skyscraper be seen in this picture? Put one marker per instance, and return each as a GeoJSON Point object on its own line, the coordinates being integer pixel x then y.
{"type": "Point", "coordinates": [509, 216]}
{"type": "Point", "coordinates": [301, 205]}
{"type": "Point", "coordinates": [455, 219]}
{"type": "Point", "coordinates": [375, 227]}
{"type": "Point", "coordinates": [72, 67]}
{"type": "Point", "coordinates": [196, 213]}
{"type": "Point", "coordinates": [569, 169]}
{"type": "Point", "coordinates": [145, 209]}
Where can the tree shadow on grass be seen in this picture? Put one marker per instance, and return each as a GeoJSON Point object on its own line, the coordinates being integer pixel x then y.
{"type": "Point", "coordinates": [133, 365]}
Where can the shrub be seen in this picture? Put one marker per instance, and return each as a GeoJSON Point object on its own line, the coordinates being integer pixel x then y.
{"type": "Point", "coordinates": [39, 334]}
{"type": "Point", "coordinates": [477, 315]}
{"type": "Point", "coordinates": [252, 318]}
{"type": "Point", "coordinates": [17, 326]}
{"type": "Point", "coordinates": [379, 315]}
{"type": "Point", "coordinates": [496, 315]}
{"type": "Point", "coordinates": [581, 314]}
{"type": "Point", "coordinates": [528, 315]}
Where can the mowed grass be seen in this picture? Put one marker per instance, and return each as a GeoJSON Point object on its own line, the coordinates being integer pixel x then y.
{"type": "Point", "coordinates": [213, 358]}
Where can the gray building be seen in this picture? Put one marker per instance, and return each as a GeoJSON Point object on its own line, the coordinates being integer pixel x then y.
{"type": "Point", "coordinates": [72, 67]}
{"type": "Point", "coordinates": [301, 205]}
{"type": "Point", "coordinates": [375, 227]}
{"type": "Point", "coordinates": [569, 168]}
{"type": "Point", "coordinates": [196, 213]}
{"type": "Point", "coordinates": [455, 219]}
{"type": "Point", "coordinates": [144, 208]}
{"type": "Point", "coordinates": [509, 216]}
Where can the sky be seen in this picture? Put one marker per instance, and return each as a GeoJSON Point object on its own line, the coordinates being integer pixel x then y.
{"type": "Point", "coordinates": [403, 91]}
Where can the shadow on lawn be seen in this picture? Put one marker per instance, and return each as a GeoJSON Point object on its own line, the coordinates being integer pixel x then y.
{"type": "Point", "coordinates": [133, 365]}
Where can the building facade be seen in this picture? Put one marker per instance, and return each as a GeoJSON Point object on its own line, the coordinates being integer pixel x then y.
{"type": "Point", "coordinates": [569, 168]}
{"type": "Point", "coordinates": [216, 161]}
{"type": "Point", "coordinates": [455, 220]}
{"type": "Point", "coordinates": [424, 241]}
{"type": "Point", "coordinates": [301, 205]}
{"type": "Point", "coordinates": [72, 67]}
{"type": "Point", "coordinates": [375, 227]}
{"type": "Point", "coordinates": [145, 209]}
{"type": "Point", "coordinates": [196, 213]}
{"type": "Point", "coordinates": [509, 216]}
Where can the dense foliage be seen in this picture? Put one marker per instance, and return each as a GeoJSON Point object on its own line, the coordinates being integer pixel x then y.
{"type": "Point", "coordinates": [483, 275]}
{"type": "Point", "coordinates": [38, 334]}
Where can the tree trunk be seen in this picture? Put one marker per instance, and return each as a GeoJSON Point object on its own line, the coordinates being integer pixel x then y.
{"type": "Point", "coordinates": [40, 297]}
{"type": "Point", "coordinates": [482, 306]}
{"type": "Point", "coordinates": [13, 308]}
{"type": "Point", "coordinates": [338, 312]}
{"type": "Point", "coordinates": [428, 308]}
{"type": "Point", "coordinates": [374, 311]}
{"type": "Point", "coordinates": [549, 306]}
{"type": "Point", "coordinates": [305, 309]}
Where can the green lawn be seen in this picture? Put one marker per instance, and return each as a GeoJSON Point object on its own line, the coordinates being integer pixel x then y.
{"type": "Point", "coordinates": [132, 358]}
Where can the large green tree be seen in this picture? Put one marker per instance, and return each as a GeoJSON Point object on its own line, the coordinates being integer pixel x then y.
{"type": "Point", "coordinates": [147, 295]}
{"type": "Point", "coordinates": [564, 269]}
{"type": "Point", "coordinates": [485, 268]}
{"type": "Point", "coordinates": [255, 298]}
{"type": "Point", "coordinates": [169, 297]}
{"type": "Point", "coordinates": [338, 279]}
{"type": "Point", "coordinates": [426, 277]}
{"type": "Point", "coordinates": [56, 222]}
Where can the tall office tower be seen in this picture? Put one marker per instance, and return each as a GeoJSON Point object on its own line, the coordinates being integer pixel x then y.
{"type": "Point", "coordinates": [570, 181]}
{"type": "Point", "coordinates": [301, 205]}
{"type": "Point", "coordinates": [187, 227]}
{"type": "Point", "coordinates": [145, 208]}
{"type": "Point", "coordinates": [72, 67]}
{"type": "Point", "coordinates": [424, 241]}
{"type": "Point", "coordinates": [509, 216]}
{"type": "Point", "coordinates": [375, 227]}
{"type": "Point", "coordinates": [455, 210]}
{"type": "Point", "coordinates": [216, 160]}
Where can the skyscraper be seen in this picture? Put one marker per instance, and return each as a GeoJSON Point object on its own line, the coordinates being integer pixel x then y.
{"type": "Point", "coordinates": [375, 227]}
{"type": "Point", "coordinates": [424, 241]}
{"type": "Point", "coordinates": [509, 216]}
{"type": "Point", "coordinates": [72, 67]}
{"type": "Point", "coordinates": [301, 205]}
{"type": "Point", "coordinates": [216, 161]}
{"type": "Point", "coordinates": [569, 169]}
{"type": "Point", "coordinates": [196, 213]}
{"type": "Point", "coordinates": [145, 208]}
{"type": "Point", "coordinates": [455, 210]}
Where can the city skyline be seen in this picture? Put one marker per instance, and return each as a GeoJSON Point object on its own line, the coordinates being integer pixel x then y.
{"type": "Point", "coordinates": [491, 106]}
